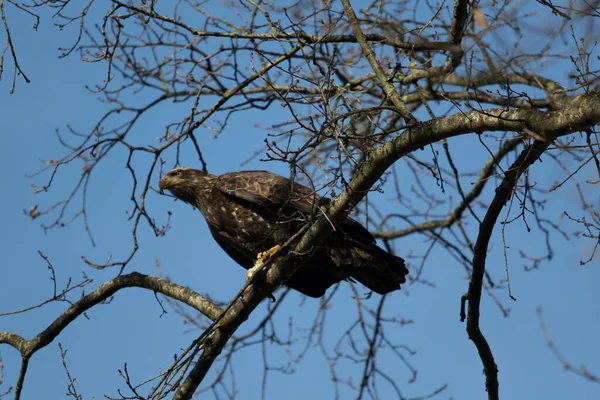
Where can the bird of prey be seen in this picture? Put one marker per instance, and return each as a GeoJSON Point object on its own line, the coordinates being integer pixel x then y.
{"type": "Point", "coordinates": [250, 212]}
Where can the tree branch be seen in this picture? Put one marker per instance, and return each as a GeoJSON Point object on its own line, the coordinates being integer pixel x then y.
{"type": "Point", "coordinates": [387, 85]}
{"type": "Point", "coordinates": [28, 347]}
{"type": "Point", "coordinates": [455, 215]}
{"type": "Point", "coordinates": [503, 193]}
{"type": "Point", "coordinates": [583, 111]}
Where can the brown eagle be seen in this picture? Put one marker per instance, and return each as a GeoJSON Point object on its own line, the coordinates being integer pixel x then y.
{"type": "Point", "coordinates": [250, 212]}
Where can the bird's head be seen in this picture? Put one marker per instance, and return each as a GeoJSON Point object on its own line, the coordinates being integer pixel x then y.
{"type": "Point", "coordinates": [174, 177]}
{"type": "Point", "coordinates": [186, 184]}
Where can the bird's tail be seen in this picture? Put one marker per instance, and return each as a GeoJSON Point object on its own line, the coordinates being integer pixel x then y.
{"type": "Point", "coordinates": [374, 267]}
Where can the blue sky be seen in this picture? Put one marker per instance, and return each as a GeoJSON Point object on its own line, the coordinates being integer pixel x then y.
{"type": "Point", "coordinates": [131, 328]}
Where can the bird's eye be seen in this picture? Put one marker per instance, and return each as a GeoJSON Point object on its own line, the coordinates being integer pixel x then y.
{"type": "Point", "coordinates": [178, 174]}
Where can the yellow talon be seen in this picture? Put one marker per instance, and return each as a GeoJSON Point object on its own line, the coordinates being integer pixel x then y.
{"type": "Point", "coordinates": [265, 255]}
{"type": "Point", "coordinates": [261, 259]}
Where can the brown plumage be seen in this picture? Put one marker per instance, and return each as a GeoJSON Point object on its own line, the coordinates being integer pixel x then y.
{"type": "Point", "coordinates": [249, 212]}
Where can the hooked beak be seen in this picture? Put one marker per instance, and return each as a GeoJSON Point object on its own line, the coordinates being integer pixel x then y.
{"type": "Point", "coordinates": [164, 183]}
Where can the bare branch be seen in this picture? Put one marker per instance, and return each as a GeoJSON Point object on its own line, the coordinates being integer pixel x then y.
{"type": "Point", "coordinates": [473, 296]}
{"type": "Point", "coordinates": [28, 347]}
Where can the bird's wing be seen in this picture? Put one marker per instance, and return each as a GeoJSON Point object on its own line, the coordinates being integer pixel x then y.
{"type": "Point", "coordinates": [274, 192]}
{"type": "Point", "coordinates": [245, 258]}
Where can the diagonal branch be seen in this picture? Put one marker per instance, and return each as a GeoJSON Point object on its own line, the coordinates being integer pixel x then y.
{"type": "Point", "coordinates": [580, 113]}
{"type": "Point", "coordinates": [390, 91]}
{"type": "Point", "coordinates": [11, 46]}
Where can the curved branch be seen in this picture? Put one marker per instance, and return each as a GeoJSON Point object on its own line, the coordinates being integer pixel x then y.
{"type": "Point", "coordinates": [583, 111]}
{"type": "Point", "coordinates": [28, 347]}
{"type": "Point", "coordinates": [503, 193]}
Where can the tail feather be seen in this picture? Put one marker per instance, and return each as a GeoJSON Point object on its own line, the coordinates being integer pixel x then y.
{"type": "Point", "coordinates": [370, 265]}
{"type": "Point", "coordinates": [378, 270]}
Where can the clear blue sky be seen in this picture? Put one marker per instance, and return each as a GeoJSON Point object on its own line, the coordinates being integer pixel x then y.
{"type": "Point", "coordinates": [131, 329]}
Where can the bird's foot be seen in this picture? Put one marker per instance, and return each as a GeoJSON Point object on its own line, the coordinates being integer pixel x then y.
{"type": "Point", "coordinates": [261, 259]}
{"type": "Point", "coordinates": [264, 256]}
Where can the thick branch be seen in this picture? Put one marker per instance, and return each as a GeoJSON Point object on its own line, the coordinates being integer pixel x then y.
{"type": "Point", "coordinates": [583, 112]}
{"type": "Point", "coordinates": [459, 21]}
